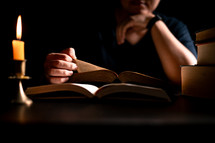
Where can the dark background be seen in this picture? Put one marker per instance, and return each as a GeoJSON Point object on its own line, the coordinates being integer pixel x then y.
{"type": "Point", "coordinates": [42, 17]}
{"type": "Point", "coordinates": [47, 15]}
{"type": "Point", "coordinates": [47, 24]}
{"type": "Point", "coordinates": [51, 21]}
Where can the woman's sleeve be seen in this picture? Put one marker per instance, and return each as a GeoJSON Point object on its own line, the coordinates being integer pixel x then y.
{"type": "Point", "coordinates": [181, 32]}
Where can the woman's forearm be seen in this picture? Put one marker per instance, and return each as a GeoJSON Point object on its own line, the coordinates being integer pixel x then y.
{"type": "Point", "coordinates": [171, 51]}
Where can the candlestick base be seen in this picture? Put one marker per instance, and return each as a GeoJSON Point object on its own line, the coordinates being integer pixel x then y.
{"type": "Point", "coordinates": [19, 69]}
{"type": "Point", "coordinates": [20, 97]}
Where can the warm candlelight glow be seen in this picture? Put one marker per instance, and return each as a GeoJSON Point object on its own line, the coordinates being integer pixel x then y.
{"type": "Point", "coordinates": [18, 45]}
{"type": "Point", "coordinates": [19, 28]}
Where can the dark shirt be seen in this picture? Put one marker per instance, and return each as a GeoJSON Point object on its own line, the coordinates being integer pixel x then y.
{"type": "Point", "coordinates": [101, 48]}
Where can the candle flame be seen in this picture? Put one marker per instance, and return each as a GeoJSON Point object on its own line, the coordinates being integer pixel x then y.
{"type": "Point", "coordinates": [19, 28]}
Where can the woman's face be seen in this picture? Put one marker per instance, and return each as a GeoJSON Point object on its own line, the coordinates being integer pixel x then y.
{"type": "Point", "coordinates": [139, 6]}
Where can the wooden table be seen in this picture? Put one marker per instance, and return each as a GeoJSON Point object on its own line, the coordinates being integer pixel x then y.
{"type": "Point", "coordinates": [184, 112]}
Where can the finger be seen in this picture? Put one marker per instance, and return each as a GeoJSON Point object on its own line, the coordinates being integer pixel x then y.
{"type": "Point", "coordinates": [58, 80]}
{"type": "Point", "coordinates": [58, 56]}
{"type": "Point", "coordinates": [60, 64]}
{"type": "Point", "coordinates": [119, 32]}
{"type": "Point", "coordinates": [59, 72]}
{"type": "Point", "coordinates": [70, 52]}
{"type": "Point", "coordinates": [121, 38]}
{"type": "Point", "coordinates": [117, 35]}
{"type": "Point", "coordinates": [124, 30]}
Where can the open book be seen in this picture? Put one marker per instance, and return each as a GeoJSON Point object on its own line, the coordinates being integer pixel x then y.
{"type": "Point", "coordinates": [126, 85]}
{"type": "Point", "coordinates": [123, 91]}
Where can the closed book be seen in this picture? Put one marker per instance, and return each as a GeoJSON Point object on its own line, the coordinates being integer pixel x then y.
{"type": "Point", "coordinates": [205, 35]}
{"type": "Point", "coordinates": [206, 53]}
{"type": "Point", "coordinates": [198, 81]}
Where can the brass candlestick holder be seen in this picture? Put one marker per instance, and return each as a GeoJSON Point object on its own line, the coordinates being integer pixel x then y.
{"type": "Point", "coordinates": [19, 75]}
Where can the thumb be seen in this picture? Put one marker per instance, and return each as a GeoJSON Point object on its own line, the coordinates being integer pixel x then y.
{"type": "Point", "coordinates": [70, 52]}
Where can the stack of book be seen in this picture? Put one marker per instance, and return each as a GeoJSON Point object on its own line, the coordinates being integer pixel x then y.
{"type": "Point", "coordinates": [199, 80]}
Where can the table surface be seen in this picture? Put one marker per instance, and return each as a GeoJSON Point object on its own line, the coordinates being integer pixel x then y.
{"type": "Point", "coordinates": [183, 111]}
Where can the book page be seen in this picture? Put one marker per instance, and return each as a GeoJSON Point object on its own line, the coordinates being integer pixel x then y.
{"type": "Point", "coordinates": [90, 73]}
{"type": "Point", "coordinates": [138, 78]}
{"type": "Point", "coordinates": [84, 89]}
{"type": "Point", "coordinates": [143, 92]}
{"type": "Point", "coordinates": [87, 67]}
{"type": "Point", "coordinates": [99, 76]}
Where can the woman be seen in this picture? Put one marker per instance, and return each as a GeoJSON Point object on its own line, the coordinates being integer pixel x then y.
{"type": "Point", "coordinates": [136, 38]}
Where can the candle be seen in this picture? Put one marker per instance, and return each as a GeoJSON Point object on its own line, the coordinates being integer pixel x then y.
{"type": "Point", "coordinates": [18, 45]}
